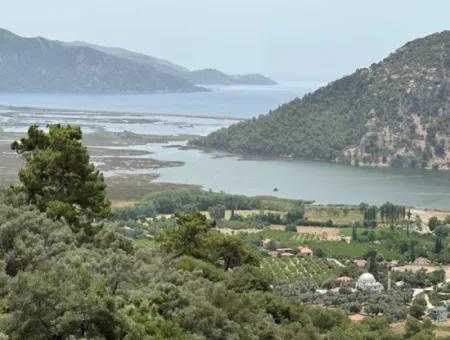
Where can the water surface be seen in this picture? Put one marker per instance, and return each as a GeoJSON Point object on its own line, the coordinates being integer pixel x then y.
{"type": "Point", "coordinates": [299, 179]}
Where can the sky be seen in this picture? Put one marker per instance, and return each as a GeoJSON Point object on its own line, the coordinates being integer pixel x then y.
{"type": "Point", "coordinates": [295, 40]}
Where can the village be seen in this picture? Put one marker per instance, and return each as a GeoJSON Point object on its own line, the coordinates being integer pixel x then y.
{"type": "Point", "coordinates": [358, 280]}
{"type": "Point", "coordinates": [371, 261]}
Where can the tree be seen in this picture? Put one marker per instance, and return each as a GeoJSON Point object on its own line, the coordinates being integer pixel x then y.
{"type": "Point", "coordinates": [418, 308]}
{"type": "Point", "coordinates": [296, 215]}
{"type": "Point", "coordinates": [412, 250]}
{"type": "Point", "coordinates": [433, 222]}
{"type": "Point", "coordinates": [370, 217]}
{"type": "Point", "coordinates": [58, 178]}
{"type": "Point", "coordinates": [291, 228]}
{"type": "Point", "coordinates": [247, 278]}
{"type": "Point", "coordinates": [438, 245]}
{"type": "Point", "coordinates": [217, 212]}
{"type": "Point", "coordinates": [371, 256]}
{"type": "Point", "coordinates": [231, 251]}
{"type": "Point", "coordinates": [188, 236]}
{"type": "Point", "coordinates": [354, 233]}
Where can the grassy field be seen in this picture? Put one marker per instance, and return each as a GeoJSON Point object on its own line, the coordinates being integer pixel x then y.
{"type": "Point", "coordinates": [288, 270]}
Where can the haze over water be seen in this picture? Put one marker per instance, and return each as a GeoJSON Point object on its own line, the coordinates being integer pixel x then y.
{"type": "Point", "coordinates": [225, 101]}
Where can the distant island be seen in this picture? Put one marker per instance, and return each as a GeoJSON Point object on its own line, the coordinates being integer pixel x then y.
{"type": "Point", "coordinates": [395, 113]}
{"type": "Point", "coordinates": [42, 65]}
{"type": "Point", "coordinates": [215, 77]}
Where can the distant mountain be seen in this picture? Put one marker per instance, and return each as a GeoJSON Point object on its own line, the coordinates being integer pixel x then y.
{"type": "Point", "coordinates": [394, 113]}
{"type": "Point", "coordinates": [198, 77]}
{"type": "Point", "coordinates": [41, 65]}
{"type": "Point", "coordinates": [253, 79]}
{"type": "Point", "coordinates": [157, 63]}
{"type": "Point", "coordinates": [215, 77]}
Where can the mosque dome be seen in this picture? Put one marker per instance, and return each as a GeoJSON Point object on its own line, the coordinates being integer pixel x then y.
{"type": "Point", "coordinates": [366, 278]}
{"type": "Point", "coordinates": [367, 282]}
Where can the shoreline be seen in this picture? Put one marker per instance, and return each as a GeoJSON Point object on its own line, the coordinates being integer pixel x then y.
{"type": "Point", "coordinates": [45, 109]}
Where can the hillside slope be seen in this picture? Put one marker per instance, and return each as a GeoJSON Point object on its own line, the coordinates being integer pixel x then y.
{"type": "Point", "coordinates": [41, 65]}
{"type": "Point", "coordinates": [394, 113]}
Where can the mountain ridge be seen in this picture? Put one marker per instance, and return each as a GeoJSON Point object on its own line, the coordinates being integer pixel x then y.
{"type": "Point", "coordinates": [38, 64]}
{"type": "Point", "coordinates": [42, 65]}
{"type": "Point", "coordinates": [207, 76]}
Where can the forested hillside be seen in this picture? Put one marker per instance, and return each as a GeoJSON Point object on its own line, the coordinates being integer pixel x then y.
{"type": "Point", "coordinates": [393, 113]}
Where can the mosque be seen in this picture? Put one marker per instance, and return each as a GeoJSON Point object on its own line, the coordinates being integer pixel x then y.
{"type": "Point", "coordinates": [366, 282]}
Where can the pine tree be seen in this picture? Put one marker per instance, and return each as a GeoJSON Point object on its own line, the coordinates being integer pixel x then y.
{"type": "Point", "coordinates": [58, 177]}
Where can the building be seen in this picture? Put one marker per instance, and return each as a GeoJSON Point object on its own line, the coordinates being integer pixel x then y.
{"type": "Point", "coordinates": [356, 317]}
{"type": "Point", "coordinates": [272, 253]}
{"type": "Point", "coordinates": [286, 254]}
{"type": "Point", "coordinates": [438, 314]}
{"type": "Point", "coordinates": [277, 227]}
{"type": "Point", "coordinates": [265, 243]}
{"type": "Point", "coordinates": [422, 261]}
{"type": "Point", "coordinates": [284, 250]}
{"type": "Point", "coordinates": [366, 282]}
{"type": "Point", "coordinates": [305, 251]}
{"type": "Point", "coordinates": [360, 263]}
{"type": "Point", "coordinates": [445, 303]}
{"type": "Point", "coordinates": [344, 279]}
{"type": "Point", "coordinates": [335, 290]}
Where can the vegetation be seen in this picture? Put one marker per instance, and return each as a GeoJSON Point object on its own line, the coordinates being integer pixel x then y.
{"type": "Point", "coordinates": [289, 270]}
{"type": "Point", "coordinates": [187, 281]}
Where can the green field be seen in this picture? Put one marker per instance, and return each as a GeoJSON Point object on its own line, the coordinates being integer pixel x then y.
{"type": "Point", "coordinates": [289, 270]}
{"type": "Point", "coordinates": [352, 250]}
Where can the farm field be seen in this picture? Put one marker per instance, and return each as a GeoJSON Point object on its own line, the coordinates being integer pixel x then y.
{"type": "Point", "coordinates": [352, 250]}
{"type": "Point", "coordinates": [339, 214]}
{"type": "Point", "coordinates": [289, 270]}
{"type": "Point", "coordinates": [282, 238]}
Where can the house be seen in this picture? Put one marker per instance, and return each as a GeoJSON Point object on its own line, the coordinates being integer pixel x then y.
{"type": "Point", "coordinates": [344, 279]}
{"type": "Point", "coordinates": [361, 263]}
{"type": "Point", "coordinates": [335, 290]}
{"type": "Point", "coordinates": [438, 314]}
{"type": "Point", "coordinates": [277, 227]}
{"type": "Point", "coordinates": [265, 242]}
{"type": "Point", "coordinates": [356, 317]}
{"type": "Point", "coordinates": [272, 253]}
{"type": "Point", "coordinates": [422, 261]}
{"type": "Point", "coordinates": [305, 251]}
{"type": "Point", "coordinates": [284, 250]}
{"type": "Point", "coordinates": [286, 254]}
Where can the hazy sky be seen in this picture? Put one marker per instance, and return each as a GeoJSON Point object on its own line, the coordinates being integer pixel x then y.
{"type": "Point", "coordinates": [304, 39]}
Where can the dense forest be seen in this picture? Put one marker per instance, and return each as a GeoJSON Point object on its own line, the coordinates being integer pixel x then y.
{"type": "Point", "coordinates": [64, 274]}
{"type": "Point", "coordinates": [393, 113]}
